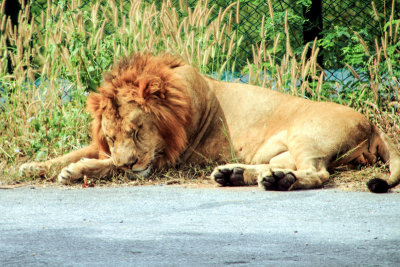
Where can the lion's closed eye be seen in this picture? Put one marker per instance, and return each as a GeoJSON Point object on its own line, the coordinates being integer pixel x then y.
{"type": "Point", "coordinates": [110, 139]}
{"type": "Point", "coordinates": [135, 132]}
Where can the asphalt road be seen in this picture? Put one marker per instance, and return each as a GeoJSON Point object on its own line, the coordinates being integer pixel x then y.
{"type": "Point", "coordinates": [175, 226]}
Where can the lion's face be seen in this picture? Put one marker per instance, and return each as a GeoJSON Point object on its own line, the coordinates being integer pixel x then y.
{"type": "Point", "coordinates": [133, 138]}
{"type": "Point", "coordinates": [141, 113]}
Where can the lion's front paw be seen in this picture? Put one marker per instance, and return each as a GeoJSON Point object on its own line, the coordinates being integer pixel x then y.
{"type": "Point", "coordinates": [228, 175]}
{"type": "Point", "coordinates": [72, 172]}
{"type": "Point", "coordinates": [277, 180]}
{"type": "Point", "coordinates": [33, 169]}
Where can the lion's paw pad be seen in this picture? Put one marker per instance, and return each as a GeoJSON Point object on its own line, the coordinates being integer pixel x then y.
{"type": "Point", "coordinates": [229, 177]}
{"type": "Point", "coordinates": [278, 180]}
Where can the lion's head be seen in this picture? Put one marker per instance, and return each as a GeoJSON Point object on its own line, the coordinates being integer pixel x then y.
{"type": "Point", "coordinates": [141, 113]}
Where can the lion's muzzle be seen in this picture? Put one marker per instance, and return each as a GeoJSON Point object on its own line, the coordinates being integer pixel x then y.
{"type": "Point", "coordinates": [127, 166]}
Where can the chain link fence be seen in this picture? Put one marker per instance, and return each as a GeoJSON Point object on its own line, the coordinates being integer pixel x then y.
{"type": "Point", "coordinates": [340, 18]}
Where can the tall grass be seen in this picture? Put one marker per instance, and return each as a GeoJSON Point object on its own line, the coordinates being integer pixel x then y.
{"type": "Point", "coordinates": [60, 53]}
{"type": "Point", "coordinates": [381, 63]}
{"type": "Point", "coordinates": [300, 76]}
{"type": "Point", "coordinates": [78, 42]}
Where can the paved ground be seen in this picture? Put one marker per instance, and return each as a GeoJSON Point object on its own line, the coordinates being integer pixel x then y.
{"type": "Point", "coordinates": [174, 226]}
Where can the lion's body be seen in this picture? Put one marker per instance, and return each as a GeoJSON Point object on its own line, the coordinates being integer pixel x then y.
{"type": "Point", "coordinates": [275, 123]}
{"type": "Point", "coordinates": [163, 112]}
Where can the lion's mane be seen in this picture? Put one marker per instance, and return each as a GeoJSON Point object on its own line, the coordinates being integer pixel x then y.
{"type": "Point", "coordinates": [150, 82]}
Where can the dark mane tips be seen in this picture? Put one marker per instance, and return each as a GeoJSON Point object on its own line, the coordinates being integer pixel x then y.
{"type": "Point", "coordinates": [94, 105]}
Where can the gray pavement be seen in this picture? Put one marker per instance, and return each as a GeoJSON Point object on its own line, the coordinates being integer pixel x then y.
{"type": "Point", "coordinates": [175, 226]}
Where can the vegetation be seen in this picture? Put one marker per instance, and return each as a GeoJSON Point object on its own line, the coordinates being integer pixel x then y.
{"type": "Point", "coordinates": [58, 54]}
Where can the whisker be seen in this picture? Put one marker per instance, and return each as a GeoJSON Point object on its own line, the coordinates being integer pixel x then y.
{"type": "Point", "coordinates": [108, 156]}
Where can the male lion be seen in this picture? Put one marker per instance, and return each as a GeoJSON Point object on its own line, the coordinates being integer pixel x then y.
{"type": "Point", "coordinates": [158, 110]}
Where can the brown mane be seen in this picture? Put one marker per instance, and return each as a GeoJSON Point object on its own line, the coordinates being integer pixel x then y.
{"type": "Point", "coordinates": [150, 82]}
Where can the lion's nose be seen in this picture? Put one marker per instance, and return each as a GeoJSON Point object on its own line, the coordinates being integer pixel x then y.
{"type": "Point", "coordinates": [127, 165]}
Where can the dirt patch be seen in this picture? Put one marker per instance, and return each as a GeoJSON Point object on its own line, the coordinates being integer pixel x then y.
{"type": "Point", "coordinates": [194, 177]}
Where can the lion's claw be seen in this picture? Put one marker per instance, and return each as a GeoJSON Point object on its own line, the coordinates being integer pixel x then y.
{"type": "Point", "coordinates": [32, 169]}
{"type": "Point", "coordinates": [69, 174]}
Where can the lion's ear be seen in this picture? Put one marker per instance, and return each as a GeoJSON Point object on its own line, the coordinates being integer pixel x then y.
{"type": "Point", "coordinates": [151, 87]}
{"type": "Point", "coordinates": [93, 103]}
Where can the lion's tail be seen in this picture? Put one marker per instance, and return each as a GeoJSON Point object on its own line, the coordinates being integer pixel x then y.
{"type": "Point", "coordinates": [388, 153]}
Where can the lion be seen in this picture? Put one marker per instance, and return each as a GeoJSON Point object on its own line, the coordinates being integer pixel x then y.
{"type": "Point", "coordinates": [157, 110]}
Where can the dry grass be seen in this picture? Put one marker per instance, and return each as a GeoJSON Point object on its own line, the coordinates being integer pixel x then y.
{"type": "Point", "coordinates": [198, 176]}
{"type": "Point", "coordinates": [355, 180]}
{"type": "Point", "coordinates": [184, 175]}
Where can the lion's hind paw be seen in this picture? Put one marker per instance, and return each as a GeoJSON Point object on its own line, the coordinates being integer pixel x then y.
{"type": "Point", "coordinates": [277, 180]}
{"type": "Point", "coordinates": [226, 176]}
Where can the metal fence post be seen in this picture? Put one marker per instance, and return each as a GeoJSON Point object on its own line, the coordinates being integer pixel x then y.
{"type": "Point", "coordinates": [313, 26]}
{"type": "Point", "coordinates": [11, 10]}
